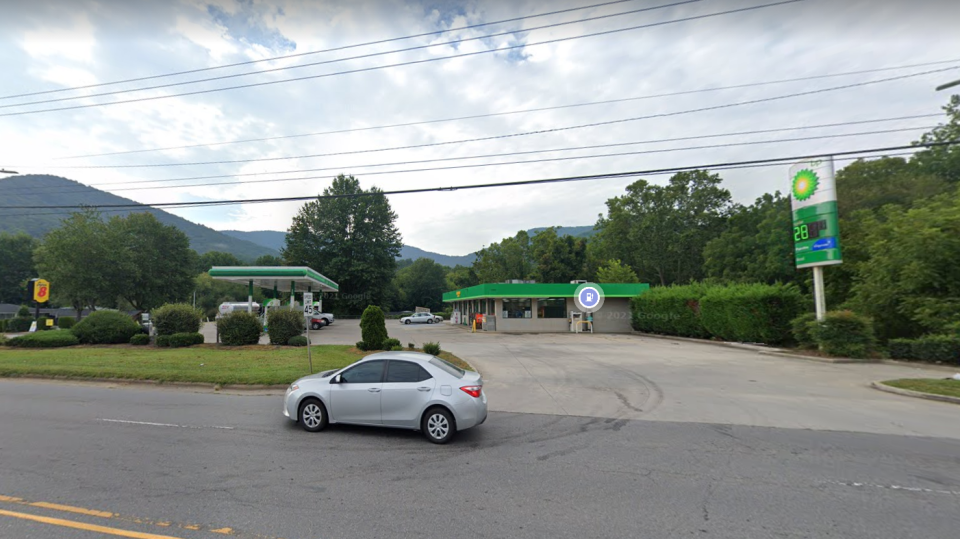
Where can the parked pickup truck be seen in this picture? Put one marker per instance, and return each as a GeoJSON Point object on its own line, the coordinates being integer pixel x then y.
{"type": "Point", "coordinates": [319, 320]}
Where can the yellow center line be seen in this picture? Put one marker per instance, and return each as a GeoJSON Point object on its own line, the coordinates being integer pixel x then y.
{"type": "Point", "coordinates": [84, 526]}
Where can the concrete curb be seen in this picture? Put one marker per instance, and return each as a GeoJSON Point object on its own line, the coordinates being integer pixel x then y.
{"type": "Point", "coordinates": [917, 394]}
{"type": "Point", "coordinates": [739, 346]}
{"type": "Point", "coordinates": [134, 382]}
{"type": "Point", "coordinates": [820, 359]}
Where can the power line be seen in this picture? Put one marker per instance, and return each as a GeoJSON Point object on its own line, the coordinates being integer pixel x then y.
{"type": "Point", "coordinates": [309, 53]}
{"type": "Point", "coordinates": [349, 58]}
{"type": "Point", "coordinates": [523, 111]}
{"type": "Point", "coordinates": [850, 157]}
{"type": "Point", "coordinates": [529, 161]}
{"type": "Point", "coordinates": [565, 179]}
{"type": "Point", "coordinates": [512, 135]}
{"type": "Point", "coordinates": [400, 64]}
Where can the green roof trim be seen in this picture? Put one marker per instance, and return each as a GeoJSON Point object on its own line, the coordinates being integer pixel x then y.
{"type": "Point", "coordinates": [268, 276]}
{"type": "Point", "coordinates": [541, 290]}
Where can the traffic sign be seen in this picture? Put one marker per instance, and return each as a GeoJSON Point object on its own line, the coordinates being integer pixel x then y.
{"type": "Point", "coordinates": [307, 303]}
{"type": "Point", "coordinates": [41, 291]}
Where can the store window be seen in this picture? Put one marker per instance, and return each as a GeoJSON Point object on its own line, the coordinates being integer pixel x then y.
{"type": "Point", "coordinates": [552, 308]}
{"type": "Point", "coordinates": [516, 308]}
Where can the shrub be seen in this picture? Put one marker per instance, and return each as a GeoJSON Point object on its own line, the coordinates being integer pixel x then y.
{"type": "Point", "coordinates": [105, 327]}
{"type": "Point", "coordinates": [66, 322]}
{"type": "Point", "coordinates": [45, 339]}
{"type": "Point", "coordinates": [283, 324]}
{"type": "Point", "coordinates": [373, 327]}
{"type": "Point", "coordinates": [670, 310]}
{"type": "Point", "coordinates": [19, 324]}
{"type": "Point", "coordinates": [410, 345]}
{"type": "Point", "coordinates": [297, 340]}
{"type": "Point", "coordinates": [845, 334]}
{"type": "Point", "coordinates": [179, 340]}
{"type": "Point", "coordinates": [3, 339]}
{"type": "Point", "coordinates": [3, 325]}
{"type": "Point", "coordinates": [42, 323]}
{"type": "Point", "coordinates": [432, 348]}
{"type": "Point", "coordinates": [397, 348]}
{"type": "Point", "coordinates": [239, 328]}
{"type": "Point", "coordinates": [900, 348]}
{"type": "Point", "coordinates": [23, 311]}
{"type": "Point", "coordinates": [362, 346]}
{"type": "Point", "coordinates": [140, 339]}
{"type": "Point", "coordinates": [751, 313]}
{"type": "Point", "coordinates": [943, 348]}
{"type": "Point", "coordinates": [802, 328]}
{"type": "Point", "coordinates": [176, 318]}
{"type": "Point", "coordinates": [389, 344]}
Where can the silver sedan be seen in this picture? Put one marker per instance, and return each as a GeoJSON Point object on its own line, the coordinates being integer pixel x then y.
{"type": "Point", "coordinates": [407, 390]}
{"type": "Point", "coordinates": [421, 318]}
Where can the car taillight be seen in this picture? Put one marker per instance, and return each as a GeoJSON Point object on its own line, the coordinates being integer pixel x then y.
{"type": "Point", "coordinates": [473, 391]}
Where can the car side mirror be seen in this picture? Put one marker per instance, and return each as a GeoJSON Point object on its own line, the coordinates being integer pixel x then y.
{"type": "Point", "coordinates": [336, 379]}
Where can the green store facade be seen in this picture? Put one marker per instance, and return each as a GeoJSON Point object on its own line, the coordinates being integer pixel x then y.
{"type": "Point", "coordinates": [539, 307]}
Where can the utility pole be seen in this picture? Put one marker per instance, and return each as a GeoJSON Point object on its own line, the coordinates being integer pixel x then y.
{"type": "Point", "coordinates": [948, 85]}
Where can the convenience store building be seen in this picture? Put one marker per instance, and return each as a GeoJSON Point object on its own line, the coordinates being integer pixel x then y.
{"type": "Point", "coordinates": [527, 307]}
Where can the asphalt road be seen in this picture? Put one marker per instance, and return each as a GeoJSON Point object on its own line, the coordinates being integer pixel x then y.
{"type": "Point", "coordinates": [215, 464]}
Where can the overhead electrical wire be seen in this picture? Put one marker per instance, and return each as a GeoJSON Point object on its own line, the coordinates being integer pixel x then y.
{"type": "Point", "coordinates": [309, 53]}
{"type": "Point", "coordinates": [353, 168]}
{"type": "Point", "coordinates": [346, 59]}
{"type": "Point", "coordinates": [543, 181]}
{"type": "Point", "coordinates": [506, 113]}
{"type": "Point", "coordinates": [400, 64]}
{"type": "Point", "coordinates": [494, 137]}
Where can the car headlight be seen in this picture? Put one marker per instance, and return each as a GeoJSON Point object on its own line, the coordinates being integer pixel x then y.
{"type": "Point", "coordinates": [294, 387]}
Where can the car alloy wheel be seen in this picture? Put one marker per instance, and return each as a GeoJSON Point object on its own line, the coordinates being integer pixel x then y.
{"type": "Point", "coordinates": [430, 321]}
{"type": "Point", "coordinates": [406, 321]}
{"type": "Point", "coordinates": [313, 417]}
{"type": "Point", "coordinates": [438, 426]}
{"type": "Point", "coordinates": [315, 325]}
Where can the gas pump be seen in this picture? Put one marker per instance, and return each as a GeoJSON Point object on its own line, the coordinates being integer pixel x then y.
{"type": "Point", "coordinates": [575, 318]}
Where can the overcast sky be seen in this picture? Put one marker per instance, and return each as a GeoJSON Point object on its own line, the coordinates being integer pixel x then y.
{"type": "Point", "coordinates": [51, 45]}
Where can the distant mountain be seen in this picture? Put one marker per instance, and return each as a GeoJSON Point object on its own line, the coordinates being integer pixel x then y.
{"type": "Point", "coordinates": [44, 190]}
{"type": "Point", "coordinates": [275, 240]}
{"type": "Point", "coordinates": [575, 231]}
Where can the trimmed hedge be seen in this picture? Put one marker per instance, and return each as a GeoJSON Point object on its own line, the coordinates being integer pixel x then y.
{"type": "Point", "coordinates": [391, 343]}
{"type": "Point", "coordinates": [175, 318]}
{"type": "Point", "coordinates": [432, 348]}
{"type": "Point", "coordinates": [941, 348]}
{"type": "Point", "coordinates": [239, 328]}
{"type": "Point", "coordinates": [283, 324]}
{"type": "Point", "coordinates": [297, 340]}
{"type": "Point", "coordinates": [140, 339]}
{"type": "Point", "coordinates": [19, 324]}
{"type": "Point", "coordinates": [802, 327]}
{"type": "Point", "coordinates": [179, 340]}
{"type": "Point", "coordinates": [23, 311]}
{"type": "Point", "coordinates": [42, 323]}
{"type": "Point", "coordinates": [106, 327]}
{"type": "Point", "coordinates": [670, 310]}
{"type": "Point", "coordinates": [373, 328]}
{"type": "Point", "coordinates": [751, 313]}
{"type": "Point", "coordinates": [845, 334]}
{"type": "Point", "coordinates": [44, 339]}
{"type": "Point", "coordinates": [66, 322]}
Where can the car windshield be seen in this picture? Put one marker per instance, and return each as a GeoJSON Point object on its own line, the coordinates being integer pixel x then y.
{"type": "Point", "coordinates": [451, 369]}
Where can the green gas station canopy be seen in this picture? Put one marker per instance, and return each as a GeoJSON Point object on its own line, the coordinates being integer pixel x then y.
{"type": "Point", "coordinates": [278, 277]}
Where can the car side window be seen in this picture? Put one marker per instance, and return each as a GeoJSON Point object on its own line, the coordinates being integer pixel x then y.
{"type": "Point", "coordinates": [370, 372]}
{"type": "Point", "coordinates": [405, 371]}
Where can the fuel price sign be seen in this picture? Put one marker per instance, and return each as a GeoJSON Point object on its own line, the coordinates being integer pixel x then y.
{"type": "Point", "coordinates": [816, 231]}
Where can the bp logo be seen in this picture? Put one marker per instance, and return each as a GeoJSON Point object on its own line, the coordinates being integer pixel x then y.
{"type": "Point", "coordinates": [588, 297]}
{"type": "Point", "coordinates": [805, 184]}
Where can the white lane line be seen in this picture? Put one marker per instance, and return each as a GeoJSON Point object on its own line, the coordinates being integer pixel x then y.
{"type": "Point", "coordinates": [895, 487]}
{"type": "Point", "coordinates": [150, 424]}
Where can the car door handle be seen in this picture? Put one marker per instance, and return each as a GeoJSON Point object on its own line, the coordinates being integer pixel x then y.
{"type": "Point", "coordinates": [374, 390]}
{"type": "Point", "coordinates": [423, 389]}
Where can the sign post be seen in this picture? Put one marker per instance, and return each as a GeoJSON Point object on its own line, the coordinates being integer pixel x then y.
{"type": "Point", "coordinates": [39, 290]}
{"type": "Point", "coordinates": [307, 313]}
{"type": "Point", "coordinates": [816, 228]}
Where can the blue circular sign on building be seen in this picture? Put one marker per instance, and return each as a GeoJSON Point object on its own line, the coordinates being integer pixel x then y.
{"type": "Point", "coordinates": [588, 297]}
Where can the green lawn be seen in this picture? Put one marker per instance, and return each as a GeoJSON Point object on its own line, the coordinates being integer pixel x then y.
{"type": "Point", "coordinates": [951, 388]}
{"type": "Point", "coordinates": [206, 363]}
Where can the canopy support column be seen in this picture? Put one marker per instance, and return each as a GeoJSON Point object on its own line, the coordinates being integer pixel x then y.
{"type": "Point", "coordinates": [250, 297]}
{"type": "Point", "coordinates": [293, 291]}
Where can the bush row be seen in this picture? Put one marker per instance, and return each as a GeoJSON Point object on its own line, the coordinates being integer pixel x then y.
{"type": "Point", "coordinates": [179, 340]}
{"type": "Point", "coordinates": [44, 339]}
{"type": "Point", "coordinates": [942, 348]}
{"type": "Point", "coordinates": [744, 313]}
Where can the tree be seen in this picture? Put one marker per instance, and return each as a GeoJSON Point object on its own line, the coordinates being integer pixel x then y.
{"type": "Point", "coordinates": [942, 161]}
{"type": "Point", "coordinates": [210, 259]}
{"type": "Point", "coordinates": [16, 265]}
{"type": "Point", "coordinates": [661, 231]}
{"type": "Point", "coordinates": [422, 284]}
{"type": "Point", "coordinates": [756, 245]}
{"type": "Point", "coordinates": [614, 272]}
{"type": "Point", "coordinates": [508, 259]}
{"type": "Point", "coordinates": [156, 260]}
{"type": "Point", "coordinates": [557, 259]}
{"type": "Point", "coordinates": [461, 277]}
{"type": "Point", "coordinates": [81, 262]}
{"type": "Point", "coordinates": [352, 239]}
{"type": "Point", "coordinates": [268, 260]}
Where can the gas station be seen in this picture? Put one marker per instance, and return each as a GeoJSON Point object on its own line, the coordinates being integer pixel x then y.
{"type": "Point", "coordinates": [277, 278]}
